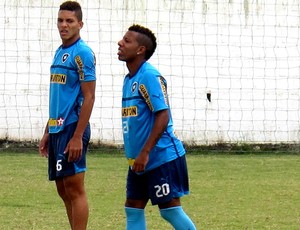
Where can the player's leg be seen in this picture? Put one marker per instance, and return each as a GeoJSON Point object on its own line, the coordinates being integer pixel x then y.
{"type": "Point", "coordinates": [69, 177]}
{"type": "Point", "coordinates": [76, 196]}
{"type": "Point", "coordinates": [54, 159]}
{"type": "Point", "coordinates": [176, 216]}
{"type": "Point", "coordinates": [62, 193]}
{"type": "Point", "coordinates": [171, 182]}
{"type": "Point", "coordinates": [135, 218]}
{"type": "Point", "coordinates": [136, 201]}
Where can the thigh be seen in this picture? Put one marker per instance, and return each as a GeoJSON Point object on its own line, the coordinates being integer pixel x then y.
{"type": "Point", "coordinates": [70, 187]}
{"type": "Point", "coordinates": [59, 166]}
{"type": "Point", "coordinates": [136, 186]}
{"type": "Point", "coordinates": [74, 185]}
{"type": "Point", "coordinates": [168, 181]}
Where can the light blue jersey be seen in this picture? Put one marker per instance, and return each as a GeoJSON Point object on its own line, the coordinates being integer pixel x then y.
{"type": "Point", "coordinates": [71, 65]}
{"type": "Point", "coordinates": [144, 94]}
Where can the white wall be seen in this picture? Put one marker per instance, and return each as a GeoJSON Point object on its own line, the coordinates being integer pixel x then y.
{"type": "Point", "coordinates": [245, 53]}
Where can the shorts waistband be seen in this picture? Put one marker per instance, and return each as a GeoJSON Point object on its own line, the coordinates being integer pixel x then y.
{"type": "Point", "coordinates": [130, 161]}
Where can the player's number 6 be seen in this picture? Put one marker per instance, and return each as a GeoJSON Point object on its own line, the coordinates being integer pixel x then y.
{"type": "Point", "coordinates": [58, 165]}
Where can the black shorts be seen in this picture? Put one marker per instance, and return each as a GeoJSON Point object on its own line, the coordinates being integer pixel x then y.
{"type": "Point", "coordinates": [161, 184]}
{"type": "Point", "coordinates": [58, 165]}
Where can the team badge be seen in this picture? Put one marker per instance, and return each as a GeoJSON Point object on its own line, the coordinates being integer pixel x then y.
{"type": "Point", "coordinates": [133, 87]}
{"type": "Point", "coordinates": [65, 57]}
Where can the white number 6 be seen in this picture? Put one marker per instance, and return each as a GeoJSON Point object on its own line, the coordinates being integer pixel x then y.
{"type": "Point", "coordinates": [58, 165]}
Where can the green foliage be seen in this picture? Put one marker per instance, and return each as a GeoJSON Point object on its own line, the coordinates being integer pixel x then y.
{"type": "Point", "coordinates": [227, 192]}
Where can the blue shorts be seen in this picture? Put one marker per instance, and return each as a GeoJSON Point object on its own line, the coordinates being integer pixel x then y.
{"type": "Point", "coordinates": [161, 184]}
{"type": "Point", "coordinates": [58, 165]}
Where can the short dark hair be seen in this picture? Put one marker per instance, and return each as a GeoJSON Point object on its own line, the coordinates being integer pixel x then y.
{"type": "Point", "coordinates": [72, 6]}
{"type": "Point", "coordinates": [146, 38]}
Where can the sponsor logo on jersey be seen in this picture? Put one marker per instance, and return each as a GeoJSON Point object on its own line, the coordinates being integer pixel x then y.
{"type": "Point", "coordinates": [146, 96]}
{"type": "Point", "coordinates": [56, 122]}
{"type": "Point", "coordinates": [94, 58]}
{"type": "Point", "coordinates": [79, 64]}
{"type": "Point", "coordinates": [65, 57]}
{"type": "Point", "coordinates": [58, 78]}
{"type": "Point", "coordinates": [129, 111]}
{"type": "Point", "coordinates": [164, 89]}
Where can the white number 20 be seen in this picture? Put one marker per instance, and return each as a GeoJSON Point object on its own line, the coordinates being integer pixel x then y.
{"type": "Point", "coordinates": [162, 190]}
{"type": "Point", "coordinates": [58, 165]}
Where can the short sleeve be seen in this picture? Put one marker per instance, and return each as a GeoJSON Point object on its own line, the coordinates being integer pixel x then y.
{"type": "Point", "coordinates": [153, 89]}
{"type": "Point", "coordinates": [86, 64]}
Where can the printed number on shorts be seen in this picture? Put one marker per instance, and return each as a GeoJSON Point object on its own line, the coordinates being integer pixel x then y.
{"type": "Point", "coordinates": [58, 165]}
{"type": "Point", "coordinates": [162, 190]}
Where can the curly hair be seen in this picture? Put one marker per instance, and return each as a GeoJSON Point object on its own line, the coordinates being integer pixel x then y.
{"type": "Point", "coordinates": [72, 6]}
{"type": "Point", "coordinates": [146, 38]}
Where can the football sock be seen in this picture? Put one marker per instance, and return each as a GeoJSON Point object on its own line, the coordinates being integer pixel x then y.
{"type": "Point", "coordinates": [135, 219]}
{"type": "Point", "coordinates": [177, 218]}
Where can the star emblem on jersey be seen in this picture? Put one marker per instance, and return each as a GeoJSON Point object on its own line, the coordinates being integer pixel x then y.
{"type": "Point", "coordinates": [60, 121]}
{"type": "Point", "coordinates": [133, 87]}
{"type": "Point", "coordinates": [65, 57]}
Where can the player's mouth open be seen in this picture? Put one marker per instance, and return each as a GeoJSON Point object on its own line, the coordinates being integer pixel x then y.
{"type": "Point", "coordinates": [63, 32]}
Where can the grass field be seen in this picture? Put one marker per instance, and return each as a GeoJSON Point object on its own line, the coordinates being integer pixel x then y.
{"type": "Point", "coordinates": [249, 191]}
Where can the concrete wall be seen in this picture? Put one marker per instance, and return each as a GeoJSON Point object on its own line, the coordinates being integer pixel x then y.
{"type": "Point", "coordinates": [245, 54]}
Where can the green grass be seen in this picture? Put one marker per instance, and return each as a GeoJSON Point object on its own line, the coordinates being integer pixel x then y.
{"type": "Point", "coordinates": [260, 191]}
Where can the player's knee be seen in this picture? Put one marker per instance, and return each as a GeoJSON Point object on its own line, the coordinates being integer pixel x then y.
{"type": "Point", "coordinates": [74, 187]}
{"type": "Point", "coordinates": [177, 218]}
{"type": "Point", "coordinates": [141, 204]}
{"type": "Point", "coordinates": [74, 193]}
{"type": "Point", "coordinates": [135, 218]}
{"type": "Point", "coordinates": [61, 190]}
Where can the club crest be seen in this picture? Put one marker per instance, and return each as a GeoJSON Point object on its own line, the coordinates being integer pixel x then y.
{"type": "Point", "coordinates": [65, 57]}
{"type": "Point", "coordinates": [133, 87]}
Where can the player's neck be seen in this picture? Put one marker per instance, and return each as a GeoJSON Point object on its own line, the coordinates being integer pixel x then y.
{"type": "Point", "coordinates": [71, 41]}
{"type": "Point", "coordinates": [133, 67]}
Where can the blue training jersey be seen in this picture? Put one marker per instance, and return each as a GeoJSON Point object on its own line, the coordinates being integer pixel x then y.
{"type": "Point", "coordinates": [71, 66]}
{"type": "Point", "coordinates": [144, 94]}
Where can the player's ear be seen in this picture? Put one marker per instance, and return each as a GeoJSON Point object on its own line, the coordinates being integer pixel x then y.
{"type": "Point", "coordinates": [80, 24]}
{"type": "Point", "coordinates": [141, 50]}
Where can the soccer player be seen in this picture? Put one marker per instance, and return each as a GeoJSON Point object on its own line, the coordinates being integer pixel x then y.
{"type": "Point", "coordinates": [157, 164]}
{"type": "Point", "coordinates": [71, 99]}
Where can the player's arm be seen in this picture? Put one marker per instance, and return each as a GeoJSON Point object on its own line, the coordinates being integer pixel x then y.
{"type": "Point", "coordinates": [43, 146]}
{"type": "Point", "coordinates": [160, 125]}
{"type": "Point", "coordinates": [74, 147]}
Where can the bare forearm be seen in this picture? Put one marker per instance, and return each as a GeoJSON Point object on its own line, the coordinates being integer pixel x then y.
{"type": "Point", "coordinates": [46, 129]}
{"type": "Point", "coordinates": [160, 125]}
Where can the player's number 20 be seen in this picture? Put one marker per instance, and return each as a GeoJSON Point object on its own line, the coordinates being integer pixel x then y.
{"type": "Point", "coordinates": [162, 190]}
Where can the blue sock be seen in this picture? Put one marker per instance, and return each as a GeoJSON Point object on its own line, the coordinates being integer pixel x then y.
{"type": "Point", "coordinates": [135, 218]}
{"type": "Point", "coordinates": [177, 218]}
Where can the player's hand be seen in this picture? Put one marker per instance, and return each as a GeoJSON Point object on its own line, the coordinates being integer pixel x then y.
{"type": "Point", "coordinates": [74, 149]}
{"type": "Point", "coordinates": [43, 146]}
{"type": "Point", "coordinates": [140, 162]}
